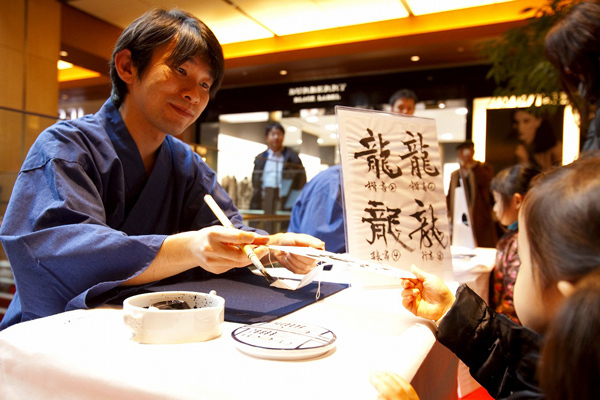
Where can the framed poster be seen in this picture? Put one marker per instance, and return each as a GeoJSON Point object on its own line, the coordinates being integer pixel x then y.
{"type": "Point", "coordinates": [512, 133]}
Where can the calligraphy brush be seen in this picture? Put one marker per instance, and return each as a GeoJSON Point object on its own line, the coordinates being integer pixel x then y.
{"type": "Point", "coordinates": [246, 248]}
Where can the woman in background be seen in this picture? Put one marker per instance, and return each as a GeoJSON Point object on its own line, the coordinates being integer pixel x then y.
{"type": "Point", "coordinates": [538, 144]}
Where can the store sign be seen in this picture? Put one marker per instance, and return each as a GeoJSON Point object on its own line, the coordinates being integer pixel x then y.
{"type": "Point", "coordinates": [317, 93]}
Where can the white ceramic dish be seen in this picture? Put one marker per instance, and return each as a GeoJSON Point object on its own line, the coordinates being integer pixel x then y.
{"type": "Point", "coordinates": [202, 321]}
{"type": "Point", "coordinates": [282, 340]}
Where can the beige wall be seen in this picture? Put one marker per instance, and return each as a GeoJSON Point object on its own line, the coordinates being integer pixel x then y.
{"type": "Point", "coordinates": [29, 47]}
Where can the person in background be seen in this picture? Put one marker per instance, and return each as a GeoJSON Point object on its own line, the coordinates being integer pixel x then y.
{"type": "Point", "coordinates": [558, 245]}
{"type": "Point", "coordinates": [404, 101]}
{"type": "Point", "coordinates": [107, 205]}
{"type": "Point", "coordinates": [572, 45]}
{"type": "Point", "coordinates": [508, 187]}
{"type": "Point", "coordinates": [279, 169]}
{"type": "Point", "coordinates": [319, 211]}
{"type": "Point", "coordinates": [570, 361]}
{"type": "Point", "coordinates": [537, 142]}
{"type": "Point", "coordinates": [476, 178]}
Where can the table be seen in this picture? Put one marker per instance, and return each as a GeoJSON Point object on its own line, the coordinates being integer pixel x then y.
{"type": "Point", "coordinates": [88, 354]}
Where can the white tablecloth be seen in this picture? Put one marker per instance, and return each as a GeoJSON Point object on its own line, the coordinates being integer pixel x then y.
{"type": "Point", "coordinates": [88, 354]}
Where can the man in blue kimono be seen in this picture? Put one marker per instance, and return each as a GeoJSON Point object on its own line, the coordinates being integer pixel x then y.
{"type": "Point", "coordinates": [109, 204]}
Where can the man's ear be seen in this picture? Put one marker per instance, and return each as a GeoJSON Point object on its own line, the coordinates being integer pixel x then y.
{"type": "Point", "coordinates": [565, 288]}
{"type": "Point", "coordinates": [124, 66]}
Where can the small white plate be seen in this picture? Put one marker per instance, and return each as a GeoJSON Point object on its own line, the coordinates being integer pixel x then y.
{"type": "Point", "coordinates": [280, 340]}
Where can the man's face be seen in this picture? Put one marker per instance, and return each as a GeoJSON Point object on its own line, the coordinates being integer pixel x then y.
{"type": "Point", "coordinates": [465, 154]}
{"type": "Point", "coordinates": [404, 106]}
{"type": "Point", "coordinates": [168, 98]}
{"type": "Point", "coordinates": [275, 139]}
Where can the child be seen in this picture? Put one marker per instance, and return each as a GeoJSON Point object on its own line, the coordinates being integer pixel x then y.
{"type": "Point", "coordinates": [570, 361]}
{"type": "Point", "coordinates": [558, 245]}
{"type": "Point", "coordinates": [508, 188]}
{"type": "Point", "coordinates": [570, 364]}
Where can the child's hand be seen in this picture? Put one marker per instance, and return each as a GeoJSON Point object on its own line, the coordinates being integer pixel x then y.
{"type": "Point", "coordinates": [427, 296]}
{"type": "Point", "coordinates": [392, 387]}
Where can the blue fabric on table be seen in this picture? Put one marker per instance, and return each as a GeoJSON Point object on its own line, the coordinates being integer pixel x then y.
{"type": "Point", "coordinates": [249, 299]}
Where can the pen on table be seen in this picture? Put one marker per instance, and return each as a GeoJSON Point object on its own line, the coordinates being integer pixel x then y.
{"type": "Point", "coordinates": [247, 249]}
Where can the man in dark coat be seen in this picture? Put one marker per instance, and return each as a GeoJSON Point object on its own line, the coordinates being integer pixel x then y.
{"type": "Point", "coordinates": [477, 177]}
{"type": "Point", "coordinates": [278, 169]}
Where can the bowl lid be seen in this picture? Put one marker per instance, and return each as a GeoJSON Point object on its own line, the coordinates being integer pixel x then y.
{"type": "Point", "coordinates": [283, 340]}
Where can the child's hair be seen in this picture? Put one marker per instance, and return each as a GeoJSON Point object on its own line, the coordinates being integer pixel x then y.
{"type": "Point", "coordinates": [562, 221]}
{"type": "Point", "coordinates": [511, 180]}
{"type": "Point", "coordinates": [572, 46]}
{"type": "Point", "coordinates": [570, 361]}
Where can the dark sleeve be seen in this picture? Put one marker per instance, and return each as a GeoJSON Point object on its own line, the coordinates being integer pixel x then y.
{"type": "Point", "coordinates": [257, 173]}
{"type": "Point", "coordinates": [294, 169]}
{"type": "Point", "coordinates": [501, 355]}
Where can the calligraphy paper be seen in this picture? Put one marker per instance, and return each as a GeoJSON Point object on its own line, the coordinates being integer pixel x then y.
{"type": "Point", "coordinates": [329, 258]}
{"type": "Point", "coordinates": [293, 284]}
{"type": "Point", "coordinates": [394, 201]}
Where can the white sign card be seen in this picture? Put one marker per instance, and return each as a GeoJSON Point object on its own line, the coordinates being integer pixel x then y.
{"type": "Point", "coordinates": [462, 231]}
{"type": "Point", "coordinates": [394, 199]}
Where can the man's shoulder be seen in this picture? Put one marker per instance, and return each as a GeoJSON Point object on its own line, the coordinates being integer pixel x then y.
{"type": "Point", "coordinates": [290, 153]}
{"type": "Point", "coordinates": [67, 140]}
{"type": "Point", "coordinates": [483, 166]}
{"type": "Point", "coordinates": [69, 131]}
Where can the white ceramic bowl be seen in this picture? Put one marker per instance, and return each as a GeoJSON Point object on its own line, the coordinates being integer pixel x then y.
{"type": "Point", "coordinates": [203, 321]}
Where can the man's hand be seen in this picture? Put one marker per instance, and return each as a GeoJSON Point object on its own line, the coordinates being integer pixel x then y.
{"type": "Point", "coordinates": [295, 263]}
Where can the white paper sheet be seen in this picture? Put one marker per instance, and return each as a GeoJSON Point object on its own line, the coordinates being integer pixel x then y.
{"type": "Point", "coordinates": [291, 284]}
{"type": "Point", "coordinates": [394, 201]}
{"type": "Point", "coordinates": [329, 258]}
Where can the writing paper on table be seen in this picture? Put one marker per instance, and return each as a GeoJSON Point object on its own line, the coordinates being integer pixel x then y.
{"type": "Point", "coordinates": [329, 258]}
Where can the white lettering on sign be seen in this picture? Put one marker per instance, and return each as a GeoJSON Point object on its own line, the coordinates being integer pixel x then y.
{"type": "Point", "coordinates": [317, 93]}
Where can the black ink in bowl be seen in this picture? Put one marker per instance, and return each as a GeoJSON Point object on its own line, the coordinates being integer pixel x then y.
{"type": "Point", "coordinates": [171, 305]}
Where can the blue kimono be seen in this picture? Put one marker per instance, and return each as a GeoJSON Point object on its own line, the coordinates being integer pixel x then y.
{"type": "Point", "coordinates": [319, 210]}
{"type": "Point", "coordinates": [84, 217]}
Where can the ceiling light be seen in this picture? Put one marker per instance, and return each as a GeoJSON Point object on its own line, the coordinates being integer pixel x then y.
{"type": "Point", "coordinates": [461, 111]}
{"type": "Point", "coordinates": [419, 7]}
{"type": "Point", "coordinates": [70, 72]}
{"type": "Point", "coordinates": [283, 72]}
{"type": "Point", "coordinates": [320, 140]}
{"type": "Point", "coordinates": [306, 112]}
{"type": "Point", "coordinates": [447, 136]}
{"type": "Point", "coordinates": [64, 65]}
{"type": "Point", "coordinates": [245, 117]}
{"type": "Point", "coordinates": [415, 58]}
{"type": "Point", "coordinates": [299, 141]}
{"type": "Point", "coordinates": [333, 136]}
{"type": "Point", "coordinates": [312, 118]}
{"type": "Point", "coordinates": [291, 17]}
{"type": "Point", "coordinates": [291, 128]}
{"type": "Point", "coordinates": [441, 105]}
{"type": "Point", "coordinates": [63, 53]}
